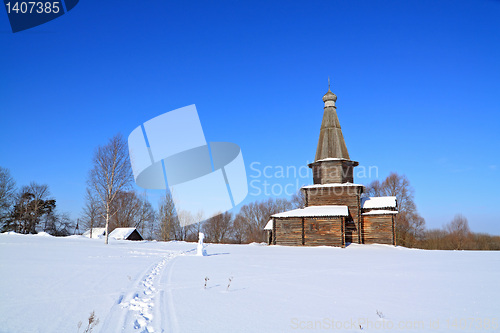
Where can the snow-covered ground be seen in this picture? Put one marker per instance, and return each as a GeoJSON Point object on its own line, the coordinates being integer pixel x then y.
{"type": "Point", "coordinates": [49, 284]}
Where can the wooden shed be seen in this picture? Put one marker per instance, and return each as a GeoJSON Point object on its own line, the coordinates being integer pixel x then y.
{"type": "Point", "coordinates": [126, 234]}
{"type": "Point", "coordinates": [378, 216]}
{"type": "Point", "coordinates": [269, 230]}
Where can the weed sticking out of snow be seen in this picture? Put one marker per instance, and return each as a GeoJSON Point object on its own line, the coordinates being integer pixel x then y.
{"type": "Point", "coordinates": [380, 314]}
{"type": "Point", "coordinates": [93, 322]}
{"type": "Point", "coordinates": [229, 283]}
{"type": "Point", "coordinates": [206, 280]}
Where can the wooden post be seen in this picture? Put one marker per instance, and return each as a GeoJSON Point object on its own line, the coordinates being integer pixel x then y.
{"type": "Point", "coordinates": [303, 232]}
{"type": "Point", "coordinates": [342, 229]}
{"type": "Point", "coordinates": [393, 230]}
{"type": "Point", "coordinates": [359, 219]}
{"type": "Point", "coordinates": [274, 231]}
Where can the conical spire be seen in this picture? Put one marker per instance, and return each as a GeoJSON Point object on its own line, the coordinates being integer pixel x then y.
{"type": "Point", "coordinates": [331, 142]}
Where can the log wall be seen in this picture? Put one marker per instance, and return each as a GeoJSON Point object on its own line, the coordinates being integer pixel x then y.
{"type": "Point", "coordinates": [309, 231]}
{"type": "Point", "coordinates": [288, 231]}
{"type": "Point", "coordinates": [378, 229]}
{"type": "Point", "coordinates": [349, 196]}
{"type": "Point", "coordinates": [323, 231]}
{"type": "Point", "coordinates": [334, 171]}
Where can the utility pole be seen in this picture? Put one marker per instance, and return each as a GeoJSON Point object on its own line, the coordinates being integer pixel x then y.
{"type": "Point", "coordinates": [76, 228]}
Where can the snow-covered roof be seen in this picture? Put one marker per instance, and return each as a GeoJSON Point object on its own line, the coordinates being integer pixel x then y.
{"type": "Point", "coordinates": [121, 233]}
{"type": "Point", "coordinates": [333, 159]}
{"type": "Point", "coordinates": [96, 232]}
{"type": "Point", "coordinates": [314, 211]}
{"type": "Point", "coordinates": [378, 202]}
{"type": "Point", "coordinates": [331, 185]}
{"type": "Point", "coordinates": [269, 225]}
{"type": "Point", "coordinates": [380, 212]}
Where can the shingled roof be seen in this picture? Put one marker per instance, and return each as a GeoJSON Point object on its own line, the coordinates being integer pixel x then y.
{"type": "Point", "coordinates": [331, 142]}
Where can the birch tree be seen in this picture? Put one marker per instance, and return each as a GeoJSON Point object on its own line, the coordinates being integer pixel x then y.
{"type": "Point", "coordinates": [111, 173]}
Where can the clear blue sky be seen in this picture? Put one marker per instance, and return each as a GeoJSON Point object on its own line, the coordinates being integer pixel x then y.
{"type": "Point", "coordinates": [418, 86]}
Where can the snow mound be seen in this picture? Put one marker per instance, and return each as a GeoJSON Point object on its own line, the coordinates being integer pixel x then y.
{"type": "Point", "coordinates": [96, 233]}
{"type": "Point", "coordinates": [44, 234]}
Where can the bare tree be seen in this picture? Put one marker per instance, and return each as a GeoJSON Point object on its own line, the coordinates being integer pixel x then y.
{"type": "Point", "coordinates": [193, 229]}
{"type": "Point", "coordinates": [217, 228]}
{"type": "Point", "coordinates": [58, 224]}
{"type": "Point", "coordinates": [146, 218]}
{"type": "Point", "coordinates": [167, 218]}
{"type": "Point", "coordinates": [483, 241]}
{"type": "Point", "coordinates": [132, 210]}
{"type": "Point", "coordinates": [111, 173]}
{"type": "Point", "coordinates": [410, 226]}
{"type": "Point", "coordinates": [91, 216]}
{"type": "Point", "coordinates": [456, 235]}
{"type": "Point", "coordinates": [240, 229]}
{"type": "Point", "coordinates": [459, 232]}
{"type": "Point", "coordinates": [186, 221]}
{"type": "Point", "coordinates": [127, 206]}
{"type": "Point", "coordinates": [375, 189]}
{"type": "Point", "coordinates": [298, 200]}
{"type": "Point", "coordinates": [7, 193]}
{"type": "Point", "coordinates": [254, 216]}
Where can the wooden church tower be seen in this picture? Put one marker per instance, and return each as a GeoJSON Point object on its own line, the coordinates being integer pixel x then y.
{"type": "Point", "coordinates": [335, 212]}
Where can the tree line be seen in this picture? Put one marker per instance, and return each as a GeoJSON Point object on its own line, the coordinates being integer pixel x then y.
{"type": "Point", "coordinates": [410, 226]}
{"type": "Point", "coordinates": [111, 202]}
{"type": "Point", "coordinates": [30, 209]}
{"type": "Point", "coordinates": [245, 227]}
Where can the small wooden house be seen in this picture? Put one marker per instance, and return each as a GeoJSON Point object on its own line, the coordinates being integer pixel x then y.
{"type": "Point", "coordinates": [131, 234]}
{"type": "Point", "coordinates": [96, 233]}
{"type": "Point", "coordinates": [378, 220]}
{"type": "Point", "coordinates": [335, 212]}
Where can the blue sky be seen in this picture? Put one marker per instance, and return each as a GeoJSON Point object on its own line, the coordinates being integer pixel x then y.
{"type": "Point", "coordinates": [418, 86]}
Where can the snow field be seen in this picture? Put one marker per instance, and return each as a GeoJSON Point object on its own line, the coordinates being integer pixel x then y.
{"type": "Point", "coordinates": [50, 284]}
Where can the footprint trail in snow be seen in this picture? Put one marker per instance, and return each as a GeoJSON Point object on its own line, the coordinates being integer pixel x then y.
{"type": "Point", "coordinates": [140, 307]}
